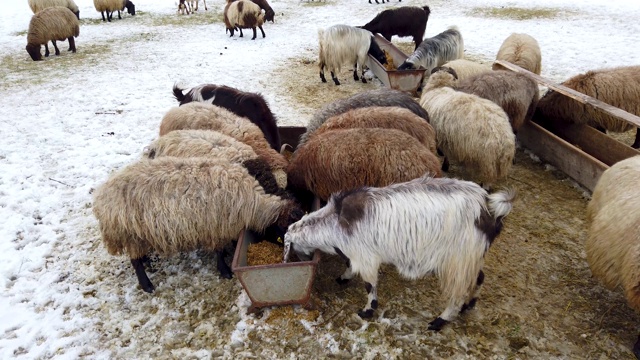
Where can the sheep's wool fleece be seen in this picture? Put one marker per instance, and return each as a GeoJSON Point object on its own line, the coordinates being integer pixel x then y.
{"type": "Point", "coordinates": [613, 240]}
{"type": "Point", "coordinates": [171, 205]}
{"type": "Point", "coordinates": [39, 5]}
{"type": "Point", "coordinates": [522, 50]}
{"type": "Point", "coordinates": [54, 23]}
{"type": "Point", "coordinates": [109, 5]}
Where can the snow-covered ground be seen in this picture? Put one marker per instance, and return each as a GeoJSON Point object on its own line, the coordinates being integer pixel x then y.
{"type": "Point", "coordinates": [68, 121]}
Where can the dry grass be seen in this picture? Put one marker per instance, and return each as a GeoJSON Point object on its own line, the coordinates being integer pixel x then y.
{"type": "Point", "coordinates": [194, 19]}
{"type": "Point", "coordinates": [516, 13]}
{"type": "Point", "coordinates": [315, 3]}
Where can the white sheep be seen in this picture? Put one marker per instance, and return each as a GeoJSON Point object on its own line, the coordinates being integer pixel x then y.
{"type": "Point", "coordinates": [243, 14]}
{"type": "Point", "coordinates": [613, 238]}
{"type": "Point", "coordinates": [109, 6]}
{"type": "Point", "coordinates": [39, 5]}
{"type": "Point", "coordinates": [471, 130]}
{"type": "Point", "coordinates": [172, 205]}
{"type": "Point", "coordinates": [522, 50]}
{"type": "Point", "coordinates": [426, 225]}
{"type": "Point", "coordinates": [435, 51]}
{"type": "Point", "coordinates": [51, 24]}
{"type": "Point", "coordinates": [466, 68]}
{"type": "Point", "coordinates": [340, 44]}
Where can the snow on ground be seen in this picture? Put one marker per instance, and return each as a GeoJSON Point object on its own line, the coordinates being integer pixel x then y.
{"type": "Point", "coordinates": [71, 120]}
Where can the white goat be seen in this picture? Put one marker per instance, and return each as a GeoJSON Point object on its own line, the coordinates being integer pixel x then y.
{"type": "Point", "coordinates": [426, 225]}
{"type": "Point", "coordinates": [435, 51]}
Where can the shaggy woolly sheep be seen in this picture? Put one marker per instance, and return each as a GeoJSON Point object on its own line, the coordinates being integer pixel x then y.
{"type": "Point", "coordinates": [386, 118]}
{"type": "Point", "coordinates": [39, 5]}
{"type": "Point", "coordinates": [253, 106]}
{"type": "Point", "coordinates": [109, 6]}
{"type": "Point", "coordinates": [51, 24]}
{"type": "Point", "coordinates": [613, 239]}
{"type": "Point", "coordinates": [210, 144]}
{"type": "Point", "coordinates": [401, 21]}
{"type": "Point", "coordinates": [349, 158]}
{"type": "Point", "coordinates": [522, 50]}
{"type": "Point", "coordinates": [516, 93]}
{"type": "Point", "coordinates": [171, 205]}
{"type": "Point", "coordinates": [435, 51]}
{"type": "Point", "coordinates": [201, 116]}
{"type": "Point", "coordinates": [380, 97]}
{"type": "Point", "coordinates": [243, 14]}
{"type": "Point", "coordinates": [423, 226]}
{"type": "Point", "coordinates": [469, 129]}
{"type": "Point", "coordinates": [619, 87]}
{"type": "Point", "coordinates": [264, 5]}
{"type": "Point", "coordinates": [466, 68]}
{"type": "Point", "coordinates": [340, 44]}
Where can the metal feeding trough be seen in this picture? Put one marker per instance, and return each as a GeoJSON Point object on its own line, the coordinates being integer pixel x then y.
{"type": "Point", "coordinates": [404, 80]}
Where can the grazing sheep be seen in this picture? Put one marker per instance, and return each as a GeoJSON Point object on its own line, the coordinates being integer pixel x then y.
{"type": "Point", "coordinates": [522, 50]}
{"type": "Point", "coordinates": [201, 116]}
{"type": "Point", "coordinates": [386, 118]}
{"type": "Point", "coordinates": [264, 5]}
{"type": "Point", "coordinates": [470, 130]}
{"type": "Point", "coordinates": [51, 24]}
{"type": "Point", "coordinates": [619, 87]}
{"type": "Point", "coordinates": [382, 1]}
{"type": "Point", "coordinates": [172, 205]}
{"type": "Point", "coordinates": [613, 239]}
{"type": "Point", "coordinates": [465, 68]}
{"type": "Point", "coordinates": [379, 97]}
{"type": "Point", "coordinates": [340, 44]}
{"type": "Point", "coordinates": [243, 14]}
{"type": "Point", "coordinates": [435, 51]}
{"type": "Point", "coordinates": [423, 226]}
{"type": "Point", "coordinates": [349, 158]}
{"type": "Point", "coordinates": [253, 106]}
{"type": "Point", "coordinates": [210, 144]}
{"type": "Point", "coordinates": [402, 21]}
{"type": "Point", "coordinates": [109, 6]}
{"type": "Point", "coordinates": [39, 5]}
{"type": "Point", "coordinates": [516, 93]}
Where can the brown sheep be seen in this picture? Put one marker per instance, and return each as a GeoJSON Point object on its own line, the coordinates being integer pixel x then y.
{"type": "Point", "coordinates": [51, 24]}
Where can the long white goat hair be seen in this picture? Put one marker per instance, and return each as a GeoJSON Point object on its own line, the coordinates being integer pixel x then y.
{"type": "Point", "coordinates": [341, 44]}
{"type": "Point", "coordinates": [424, 225]}
{"type": "Point", "coordinates": [437, 50]}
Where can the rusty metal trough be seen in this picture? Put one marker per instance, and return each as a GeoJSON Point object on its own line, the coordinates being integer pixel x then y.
{"type": "Point", "coordinates": [405, 80]}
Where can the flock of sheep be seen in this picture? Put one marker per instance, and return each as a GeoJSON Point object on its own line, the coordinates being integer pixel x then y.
{"type": "Point", "coordinates": [376, 158]}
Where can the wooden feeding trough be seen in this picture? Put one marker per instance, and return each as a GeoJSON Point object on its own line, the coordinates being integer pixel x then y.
{"type": "Point", "coordinates": [580, 151]}
{"type": "Point", "coordinates": [405, 80]}
{"type": "Point", "coordinates": [281, 283]}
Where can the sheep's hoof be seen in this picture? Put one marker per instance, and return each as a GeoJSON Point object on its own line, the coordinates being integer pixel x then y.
{"type": "Point", "coordinates": [367, 314]}
{"type": "Point", "coordinates": [342, 281]}
{"type": "Point", "coordinates": [437, 324]}
{"type": "Point", "coordinates": [147, 287]}
{"type": "Point", "coordinates": [336, 81]}
{"type": "Point", "coordinates": [364, 81]}
{"type": "Point", "coordinates": [469, 306]}
{"type": "Point", "coordinates": [323, 79]}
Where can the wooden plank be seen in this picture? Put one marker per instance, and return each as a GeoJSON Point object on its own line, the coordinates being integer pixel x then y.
{"type": "Point", "coordinates": [580, 97]}
{"type": "Point", "coordinates": [591, 141]}
{"type": "Point", "coordinates": [580, 166]}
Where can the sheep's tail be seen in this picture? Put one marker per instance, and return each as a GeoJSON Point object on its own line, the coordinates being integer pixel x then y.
{"type": "Point", "coordinates": [501, 203]}
{"type": "Point", "coordinates": [454, 27]}
{"type": "Point", "coordinates": [177, 92]}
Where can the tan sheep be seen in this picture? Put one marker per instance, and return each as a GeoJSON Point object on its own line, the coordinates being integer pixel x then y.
{"type": "Point", "coordinates": [466, 68]}
{"type": "Point", "coordinates": [201, 116]}
{"type": "Point", "coordinates": [344, 159]}
{"type": "Point", "coordinates": [470, 130]}
{"type": "Point", "coordinates": [109, 6]}
{"type": "Point", "coordinates": [619, 87]}
{"type": "Point", "coordinates": [172, 205]}
{"type": "Point", "coordinates": [51, 24]}
{"type": "Point", "coordinates": [384, 117]}
{"type": "Point", "coordinates": [522, 50]}
{"type": "Point", "coordinates": [243, 14]}
{"type": "Point", "coordinates": [39, 5]}
{"type": "Point", "coordinates": [613, 239]}
{"type": "Point", "coordinates": [210, 144]}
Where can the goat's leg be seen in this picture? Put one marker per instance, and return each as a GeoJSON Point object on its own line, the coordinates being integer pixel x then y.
{"type": "Point", "coordinates": [223, 268]}
{"type": "Point", "coordinates": [205, 5]}
{"type": "Point", "coordinates": [263, 34]}
{"type": "Point", "coordinates": [143, 279]}
{"type": "Point", "coordinates": [473, 296]}
{"type": "Point", "coordinates": [46, 49]}
{"type": "Point", "coordinates": [335, 79]}
{"type": "Point", "coordinates": [459, 293]}
{"type": "Point", "coordinates": [324, 80]}
{"type": "Point", "coordinates": [355, 72]}
{"type": "Point", "coordinates": [348, 274]}
{"type": "Point", "coordinates": [254, 33]}
{"type": "Point", "coordinates": [371, 285]}
{"type": "Point", "coordinates": [636, 143]}
{"type": "Point", "coordinates": [364, 80]}
{"type": "Point", "coordinates": [55, 46]}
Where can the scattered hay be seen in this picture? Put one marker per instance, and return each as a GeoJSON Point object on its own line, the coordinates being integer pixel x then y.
{"type": "Point", "coordinates": [516, 13]}
{"type": "Point", "coordinates": [277, 315]}
{"type": "Point", "coordinates": [193, 19]}
{"type": "Point", "coordinates": [264, 253]}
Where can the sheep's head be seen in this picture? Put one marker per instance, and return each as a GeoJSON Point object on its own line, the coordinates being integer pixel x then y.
{"type": "Point", "coordinates": [269, 14]}
{"type": "Point", "coordinates": [376, 51]}
{"type": "Point", "coordinates": [34, 51]}
{"type": "Point", "coordinates": [131, 8]}
{"type": "Point", "coordinates": [407, 66]}
{"type": "Point", "coordinates": [447, 69]}
{"type": "Point", "coordinates": [441, 76]}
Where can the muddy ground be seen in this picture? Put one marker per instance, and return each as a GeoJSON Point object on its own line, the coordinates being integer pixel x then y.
{"type": "Point", "coordinates": [539, 299]}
